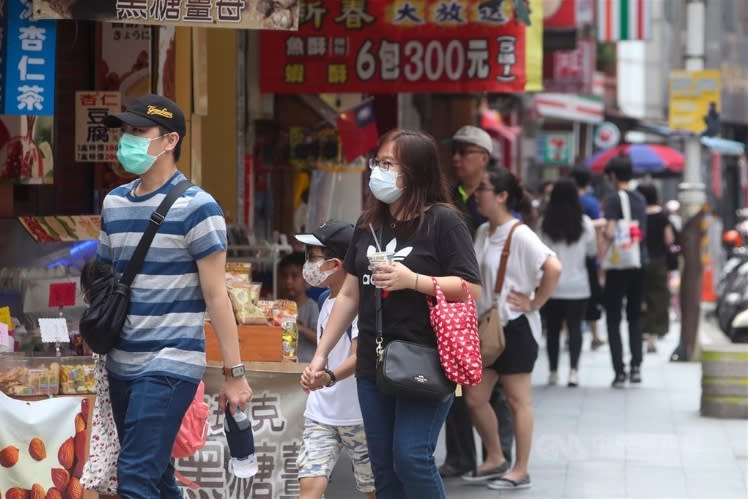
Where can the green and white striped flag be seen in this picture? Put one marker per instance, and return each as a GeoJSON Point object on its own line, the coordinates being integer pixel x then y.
{"type": "Point", "coordinates": [623, 20]}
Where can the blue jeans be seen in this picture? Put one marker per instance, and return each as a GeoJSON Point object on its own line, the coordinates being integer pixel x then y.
{"type": "Point", "coordinates": [148, 412]}
{"type": "Point", "coordinates": [401, 436]}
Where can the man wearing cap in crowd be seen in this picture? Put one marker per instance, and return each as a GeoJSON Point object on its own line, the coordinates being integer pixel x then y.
{"type": "Point", "coordinates": [472, 153]}
{"type": "Point", "coordinates": [156, 365]}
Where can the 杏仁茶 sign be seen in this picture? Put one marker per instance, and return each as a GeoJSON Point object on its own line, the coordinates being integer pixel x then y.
{"type": "Point", "coordinates": [30, 63]}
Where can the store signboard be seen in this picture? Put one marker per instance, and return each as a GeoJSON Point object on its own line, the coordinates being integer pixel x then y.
{"type": "Point", "coordinates": [29, 84]}
{"type": "Point", "coordinates": [397, 46]}
{"type": "Point", "coordinates": [560, 14]}
{"type": "Point", "coordinates": [94, 141]}
{"type": "Point", "coordinates": [556, 148]}
{"type": "Point", "coordinates": [571, 71]}
{"type": "Point", "coordinates": [3, 38]}
{"type": "Point", "coordinates": [690, 95]}
{"type": "Point", "coordinates": [234, 14]}
{"type": "Point", "coordinates": [277, 414]}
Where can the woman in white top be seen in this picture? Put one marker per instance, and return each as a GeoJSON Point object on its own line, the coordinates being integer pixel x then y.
{"type": "Point", "coordinates": [571, 235]}
{"type": "Point", "coordinates": [532, 273]}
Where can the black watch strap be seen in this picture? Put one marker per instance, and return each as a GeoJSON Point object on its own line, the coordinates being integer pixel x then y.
{"type": "Point", "coordinates": [332, 378]}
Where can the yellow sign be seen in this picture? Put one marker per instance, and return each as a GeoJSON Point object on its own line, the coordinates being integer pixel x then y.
{"type": "Point", "coordinates": [690, 95]}
{"type": "Point", "coordinates": [534, 47]}
{"type": "Point", "coordinates": [5, 317]}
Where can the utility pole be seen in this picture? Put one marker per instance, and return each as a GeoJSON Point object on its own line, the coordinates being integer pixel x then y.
{"type": "Point", "coordinates": [692, 200]}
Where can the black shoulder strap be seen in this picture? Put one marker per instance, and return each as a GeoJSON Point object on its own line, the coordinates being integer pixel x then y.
{"type": "Point", "coordinates": [158, 216]}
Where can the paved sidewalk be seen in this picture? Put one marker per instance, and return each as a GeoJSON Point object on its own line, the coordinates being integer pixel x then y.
{"type": "Point", "coordinates": [639, 442]}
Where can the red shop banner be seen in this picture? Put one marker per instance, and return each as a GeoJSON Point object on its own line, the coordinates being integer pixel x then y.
{"type": "Point", "coordinates": [397, 46]}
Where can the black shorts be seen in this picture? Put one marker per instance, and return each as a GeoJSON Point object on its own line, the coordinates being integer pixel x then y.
{"type": "Point", "coordinates": [521, 348]}
{"type": "Point", "coordinates": [592, 310]}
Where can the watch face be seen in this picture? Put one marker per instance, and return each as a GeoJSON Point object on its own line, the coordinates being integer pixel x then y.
{"type": "Point", "coordinates": [237, 371]}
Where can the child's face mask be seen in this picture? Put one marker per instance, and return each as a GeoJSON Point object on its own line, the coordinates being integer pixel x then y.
{"type": "Point", "coordinates": [314, 275]}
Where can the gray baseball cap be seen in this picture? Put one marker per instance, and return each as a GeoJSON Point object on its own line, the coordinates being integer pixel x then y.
{"type": "Point", "coordinates": [476, 136]}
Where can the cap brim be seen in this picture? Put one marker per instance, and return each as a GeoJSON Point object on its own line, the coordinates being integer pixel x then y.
{"type": "Point", "coordinates": [308, 239]}
{"type": "Point", "coordinates": [128, 118]}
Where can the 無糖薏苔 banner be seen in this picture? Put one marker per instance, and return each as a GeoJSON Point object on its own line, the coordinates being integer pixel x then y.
{"type": "Point", "coordinates": [241, 14]}
{"type": "Point", "coordinates": [397, 46]}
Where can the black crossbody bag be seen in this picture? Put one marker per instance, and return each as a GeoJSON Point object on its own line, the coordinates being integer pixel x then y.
{"type": "Point", "coordinates": [101, 323]}
{"type": "Point", "coordinates": [408, 369]}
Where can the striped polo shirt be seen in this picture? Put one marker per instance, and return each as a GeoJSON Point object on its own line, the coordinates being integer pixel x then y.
{"type": "Point", "coordinates": [163, 333]}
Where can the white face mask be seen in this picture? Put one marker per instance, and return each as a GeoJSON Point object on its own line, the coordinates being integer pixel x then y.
{"type": "Point", "coordinates": [314, 275]}
{"type": "Point", "coordinates": [384, 185]}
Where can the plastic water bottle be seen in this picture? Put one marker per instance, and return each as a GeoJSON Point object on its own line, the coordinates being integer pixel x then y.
{"type": "Point", "coordinates": [241, 442]}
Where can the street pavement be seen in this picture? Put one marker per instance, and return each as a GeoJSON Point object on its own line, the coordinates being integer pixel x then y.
{"type": "Point", "coordinates": [639, 442]}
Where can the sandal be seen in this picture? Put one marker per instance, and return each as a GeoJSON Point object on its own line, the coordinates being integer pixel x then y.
{"type": "Point", "coordinates": [509, 484]}
{"type": "Point", "coordinates": [490, 474]}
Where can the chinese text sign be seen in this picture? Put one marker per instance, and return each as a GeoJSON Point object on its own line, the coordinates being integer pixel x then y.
{"type": "Point", "coordinates": [397, 46]}
{"type": "Point", "coordinates": [30, 63]}
{"type": "Point", "coordinates": [93, 140]}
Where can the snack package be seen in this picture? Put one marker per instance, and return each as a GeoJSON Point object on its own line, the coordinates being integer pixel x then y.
{"type": "Point", "coordinates": [289, 337]}
{"type": "Point", "coordinates": [244, 298]}
{"type": "Point", "coordinates": [237, 273]}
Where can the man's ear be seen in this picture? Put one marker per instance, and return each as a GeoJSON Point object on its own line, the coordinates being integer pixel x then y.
{"type": "Point", "coordinates": [172, 141]}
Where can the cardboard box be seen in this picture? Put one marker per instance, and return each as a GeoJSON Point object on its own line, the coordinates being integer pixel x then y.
{"type": "Point", "coordinates": [256, 343]}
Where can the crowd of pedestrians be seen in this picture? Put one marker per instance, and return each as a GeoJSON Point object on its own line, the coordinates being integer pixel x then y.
{"type": "Point", "coordinates": [556, 254]}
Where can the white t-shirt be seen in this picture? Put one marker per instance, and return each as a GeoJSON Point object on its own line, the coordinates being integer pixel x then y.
{"type": "Point", "coordinates": [523, 274]}
{"type": "Point", "coordinates": [573, 283]}
{"type": "Point", "coordinates": [339, 404]}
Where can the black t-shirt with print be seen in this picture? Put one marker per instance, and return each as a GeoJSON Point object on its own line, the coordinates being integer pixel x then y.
{"type": "Point", "coordinates": [441, 247]}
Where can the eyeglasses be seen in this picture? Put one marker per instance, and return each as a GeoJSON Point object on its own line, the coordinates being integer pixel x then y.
{"type": "Point", "coordinates": [465, 151]}
{"type": "Point", "coordinates": [382, 164]}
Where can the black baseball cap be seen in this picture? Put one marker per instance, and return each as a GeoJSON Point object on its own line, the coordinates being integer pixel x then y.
{"type": "Point", "coordinates": [148, 111]}
{"type": "Point", "coordinates": [333, 234]}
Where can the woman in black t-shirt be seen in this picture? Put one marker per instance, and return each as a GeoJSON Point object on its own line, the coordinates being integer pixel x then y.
{"type": "Point", "coordinates": [657, 297]}
{"type": "Point", "coordinates": [410, 214]}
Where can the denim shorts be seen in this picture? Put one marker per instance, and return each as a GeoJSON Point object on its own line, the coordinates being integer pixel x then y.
{"type": "Point", "coordinates": [148, 412]}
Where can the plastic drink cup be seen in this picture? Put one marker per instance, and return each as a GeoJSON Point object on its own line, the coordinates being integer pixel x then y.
{"type": "Point", "coordinates": [378, 258]}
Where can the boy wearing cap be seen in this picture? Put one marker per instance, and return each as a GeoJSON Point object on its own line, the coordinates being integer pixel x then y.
{"type": "Point", "coordinates": [156, 365]}
{"type": "Point", "coordinates": [332, 418]}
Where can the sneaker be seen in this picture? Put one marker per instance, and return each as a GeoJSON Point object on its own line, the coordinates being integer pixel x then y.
{"type": "Point", "coordinates": [481, 476]}
{"type": "Point", "coordinates": [573, 381]}
{"type": "Point", "coordinates": [553, 378]}
{"type": "Point", "coordinates": [619, 381]}
{"type": "Point", "coordinates": [508, 484]}
{"type": "Point", "coordinates": [635, 376]}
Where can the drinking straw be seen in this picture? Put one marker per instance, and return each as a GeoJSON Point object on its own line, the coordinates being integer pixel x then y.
{"type": "Point", "coordinates": [377, 243]}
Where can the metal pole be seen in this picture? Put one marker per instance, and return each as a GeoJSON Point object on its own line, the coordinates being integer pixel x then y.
{"type": "Point", "coordinates": [692, 199]}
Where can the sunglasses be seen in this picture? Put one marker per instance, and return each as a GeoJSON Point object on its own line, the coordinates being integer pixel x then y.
{"type": "Point", "coordinates": [465, 151]}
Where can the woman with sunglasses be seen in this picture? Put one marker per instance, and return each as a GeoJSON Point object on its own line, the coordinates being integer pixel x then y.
{"type": "Point", "coordinates": [531, 276]}
{"type": "Point", "coordinates": [410, 215]}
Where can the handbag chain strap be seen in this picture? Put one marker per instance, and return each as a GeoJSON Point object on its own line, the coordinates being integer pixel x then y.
{"type": "Point", "coordinates": [158, 216]}
{"type": "Point", "coordinates": [379, 350]}
{"type": "Point", "coordinates": [503, 261]}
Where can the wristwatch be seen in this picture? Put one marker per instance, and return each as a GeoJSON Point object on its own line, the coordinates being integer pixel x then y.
{"type": "Point", "coordinates": [234, 371]}
{"type": "Point", "coordinates": [332, 378]}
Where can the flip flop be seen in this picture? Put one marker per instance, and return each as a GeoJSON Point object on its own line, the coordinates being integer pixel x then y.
{"type": "Point", "coordinates": [490, 474]}
{"type": "Point", "coordinates": [509, 484]}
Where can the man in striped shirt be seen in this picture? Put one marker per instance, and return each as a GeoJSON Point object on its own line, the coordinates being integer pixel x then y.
{"type": "Point", "coordinates": [159, 359]}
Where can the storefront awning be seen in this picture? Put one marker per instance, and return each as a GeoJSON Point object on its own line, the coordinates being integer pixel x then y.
{"type": "Point", "coordinates": [584, 109]}
{"type": "Point", "coordinates": [724, 147]}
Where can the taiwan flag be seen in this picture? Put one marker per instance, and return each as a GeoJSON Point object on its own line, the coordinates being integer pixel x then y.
{"type": "Point", "coordinates": [357, 130]}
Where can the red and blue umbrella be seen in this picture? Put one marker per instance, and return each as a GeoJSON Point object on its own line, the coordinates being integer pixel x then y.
{"type": "Point", "coordinates": [646, 158]}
